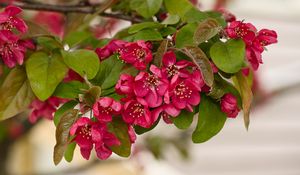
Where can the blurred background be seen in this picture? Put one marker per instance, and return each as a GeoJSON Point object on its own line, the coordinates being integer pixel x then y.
{"type": "Point", "coordinates": [270, 147]}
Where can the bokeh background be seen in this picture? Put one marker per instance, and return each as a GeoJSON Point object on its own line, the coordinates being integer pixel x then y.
{"type": "Point", "coordinates": [270, 147]}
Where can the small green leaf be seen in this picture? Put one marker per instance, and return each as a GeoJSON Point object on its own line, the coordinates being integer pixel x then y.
{"type": "Point", "coordinates": [84, 62]}
{"type": "Point", "coordinates": [70, 89]}
{"type": "Point", "coordinates": [185, 35]}
{"type": "Point", "coordinates": [247, 96]}
{"type": "Point", "coordinates": [146, 8]}
{"type": "Point", "coordinates": [45, 72]}
{"type": "Point", "coordinates": [70, 152]}
{"type": "Point", "coordinates": [184, 120]}
{"type": "Point", "coordinates": [171, 19]}
{"type": "Point", "coordinates": [145, 25]}
{"type": "Point", "coordinates": [229, 56]}
{"type": "Point", "coordinates": [120, 130]}
{"type": "Point", "coordinates": [202, 62]}
{"type": "Point", "coordinates": [206, 30]}
{"type": "Point", "coordinates": [162, 49]}
{"type": "Point", "coordinates": [210, 120]}
{"type": "Point", "coordinates": [147, 35]}
{"type": "Point", "coordinates": [60, 111]}
{"type": "Point", "coordinates": [178, 7]}
{"type": "Point", "coordinates": [15, 94]}
{"type": "Point", "coordinates": [62, 134]}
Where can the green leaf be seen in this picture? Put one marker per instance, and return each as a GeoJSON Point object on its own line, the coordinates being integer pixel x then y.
{"type": "Point", "coordinates": [91, 96]}
{"type": "Point", "coordinates": [120, 130]}
{"type": "Point", "coordinates": [229, 56]}
{"type": "Point", "coordinates": [60, 111]}
{"type": "Point", "coordinates": [171, 19]}
{"type": "Point", "coordinates": [147, 35]}
{"type": "Point", "coordinates": [217, 16]}
{"type": "Point", "coordinates": [206, 30]}
{"type": "Point", "coordinates": [141, 130]}
{"type": "Point", "coordinates": [49, 43]}
{"type": "Point", "coordinates": [70, 152]}
{"type": "Point", "coordinates": [70, 89]}
{"type": "Point", "coordinates": [162, 49]}
{"type": "Point", "coordinates": [145, 25]}
{"type": "Point", "coordinates": [202, 62]}
{"type": "Point", "coordinates": [185, 35]}
{"type": "Point", "coordinates": [45, 72]}
{"type": "Point", "coordinates": [247, 96]}
{"type": "Point", "coordinates": [210, 120]}
{"type": "Point", "coordinates": [178, 7]}
{"type": "Point", "coordinates": [146, 8]}
{"type": "Point", "coordinates": [84, 62]}
{"type": "Point", "coordinates": [76, 37]}
{"type": "Point", "coordinates": [15, 94]}
{"type": "Point", "coordinates": [194, 15]}
{"type": "Point", "coordinates": [167, 31]}
{"type": "Point", "coordinates": [62, 134]}
{"type": "Point", "coordinates": [184, 120]}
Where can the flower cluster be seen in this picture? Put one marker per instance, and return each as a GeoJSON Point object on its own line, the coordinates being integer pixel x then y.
{"type": "Point", "coordinates": [12, 48]}
{"type": "Point", "coordinates": [255, 40]}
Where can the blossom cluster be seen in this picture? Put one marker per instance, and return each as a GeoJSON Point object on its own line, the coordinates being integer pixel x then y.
{"type": "Point", "coordinates": [255, 40]}
{"type": "Point", "coordinates": [12, 48]}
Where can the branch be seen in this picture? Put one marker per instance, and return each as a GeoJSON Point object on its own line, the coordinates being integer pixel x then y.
{"type": "Point", "coordinates": [88, 9]}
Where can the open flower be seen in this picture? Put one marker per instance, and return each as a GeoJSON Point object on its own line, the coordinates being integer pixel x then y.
{"type": "Point", "coordinates": [124, 85]}
{"type": "Point", "coordinates": [105, 108]}
{"type": "Point", "coordinates": [137, 53]}
{"type": "Point", "coordinates": [88, 133]}
{"type": "Point", "coordinates": [151, 86]}
{"type": "Point", "coordinates": [264, 38]}
{"type": "Point", "coordinates": [9, 19]}
{"type": "Point", "coordinates": [229, 105]}
{"type": "Point", "coordinates": [239, 29]}
{"type": "Point", "coordinates": [136, 112]}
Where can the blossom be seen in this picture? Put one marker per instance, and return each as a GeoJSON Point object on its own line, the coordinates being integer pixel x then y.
{"type": "Point", "coordinates": [131, 134]}
{"type": "Point", "coordinates": [137, 53]}
{"type": "Point", "coordinates": [172, 68]}
{"type": "Point", "coordinates": [229, 105]}
{"type": "Point", "coordinates": [264, 38]}
{"type": "Point", "coordinates": [73, 76]}
{"type": "Point", "coordinates": [111, 48]}
{"type": "Point", "coordinates": [125, 84]}
{"type": "Point", "coordinates": [151, 86]}
{"type": "Point", "coordinates": [166, 111]}
{"type": "Point", "coordinates": [9, 19]}
{"type": "Point", "coordinates": [239, 29]}
{"type": "Point", "coordinates": [88, 133]}
{"type": "Point", "coordinates": [136, 112]}
{"type": "Point", "coordinates": [105, 108]}
{"type": "Point", "coordinates": [44, 109]}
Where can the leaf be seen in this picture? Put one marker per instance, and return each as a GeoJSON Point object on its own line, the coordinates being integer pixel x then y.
{"type": "Point", "coordinates": [194, 15]}
{"type": "Point", "coordinates": [84, 62]}
{"type": "Point", "coordinates": [229, 56]}
{"type": "Point", "coordinates": [178, 7]}
{"type": "Point", "coordinates": [217, 16]}
{"type": "Point", "coordinates": [210, 120]}
{"type": "Point", "coordinates": [146, 8]}
{"type": "Point", "coordinates": [62, 134]}
{"type": "Point", "coordinates": [167, 31]}
{"type": "Point", "coordinates": [120, 130]}
{"type": "Point", "coordinates": [91, 96]}
{"type": "Point", "coordinates": [141, 130]}
{"type": "Point", "coordinates": [15, 94]}
{"type": "Point", "coordinates": [162, 49]}
{"type": "Point", "coordinates": [247, 96]}
{"type": "Point", "coordinates": [70, 152]}
{"type": "Point", "coordinates": [147, 35]}
{"type": "Point", "coordinates": [184, 36]}
{"type": "Point", "coordinates": [45, 72]}
{"type": "Point", "coordinates": [49, 43]}
{"type": "Point", "coordinates": [145, 25]}
{"type": "Point", "coordinates": [171, 19]}
{"type": "Point", "coordinates": [70, 89]}
{"type": "Point", "coordinates": [76, 37]}
{"type": "Point", "coordinates": [184, 120]}
{"type": "Point", "coordinates": [60, 111]}
{"type": "Point", "coordinates": [206, 30]}
{"type": "Point", "coordinates": [202, 62]}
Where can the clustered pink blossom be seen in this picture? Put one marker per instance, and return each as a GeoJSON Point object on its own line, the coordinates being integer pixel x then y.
{"type": "Point", "coordinates": [12, 48]}
{"type": "Point", "coordinates": [229, 105]}
{"type": "Point", "coordinates": [255, 41]}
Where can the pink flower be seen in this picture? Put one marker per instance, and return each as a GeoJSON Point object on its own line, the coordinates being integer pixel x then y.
{"type": "Point", "coordinates": [136, 112]}
{"type": "Point", "coordinates": [105, 108]}
{"type": "Point", "coordinates": [73, 76]}
{"type": "Point", "coordinates": [44, 109]}
{"type": "Point", "coordinates": [264, 38]}
{"type": "Point", "coordinates": [124, 85]}
{"type": "Point", "coordinates": [239, 29]}
{"type": "Point", "coordinates": [111, 48]}
{"type": "Point", "coordinates": [88, 133]}
{"type": "Point", "coordinates": [172, 68]}
{"type": "Point", "coordinates": [229, 105]}
{"type": "Point", "coordinates": [137, 53]}
{"type": "Point", "coordinates": [254, 57]}
{"type": "Point", "coordinates": [9, 19]}
{"type": "Point", "coordinates": [131, 133]}
{"type": "Point", "coordinates": [166, 112]}
{"type": "Point", "coordinates": [151, 86]}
